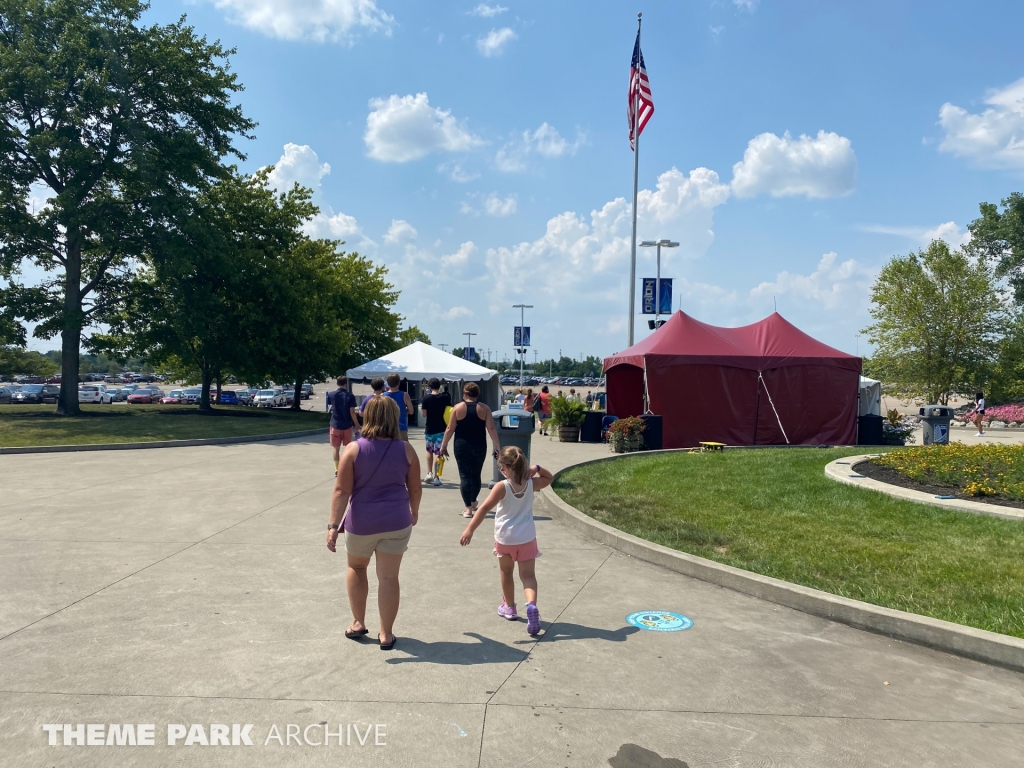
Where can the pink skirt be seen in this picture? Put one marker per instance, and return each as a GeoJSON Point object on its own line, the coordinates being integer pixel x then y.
{"type": "Point", "coordinates": [518, 552]}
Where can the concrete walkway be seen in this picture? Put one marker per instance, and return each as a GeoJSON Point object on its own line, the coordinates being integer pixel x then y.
{"type": "Point", "coordinates": [192, 586]}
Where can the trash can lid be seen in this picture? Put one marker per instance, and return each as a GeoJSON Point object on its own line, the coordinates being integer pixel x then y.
{"type": "Point", "coordinates": [512, 412]}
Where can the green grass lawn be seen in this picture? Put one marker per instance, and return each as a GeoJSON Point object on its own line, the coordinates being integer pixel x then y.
{"type": "Point", "coordinates": [22, 425]}
{"type": "Point", "coordinates": [775, 513]}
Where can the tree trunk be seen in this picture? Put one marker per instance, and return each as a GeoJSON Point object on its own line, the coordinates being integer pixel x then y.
{"type": "Point", "coordinates": [204, 398]}
{"type": "Point", "coordinates": [297, 402]}
{"type": "Point", "coordinates": [218, 386]}
{"type": "Point", "coordinates": [71, 335]}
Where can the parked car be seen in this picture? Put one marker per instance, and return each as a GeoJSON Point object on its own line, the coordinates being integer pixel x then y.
{"type": "Point", "coordinates": [36, 393]}
{"type": "Point", "coordinates": [94, 393]}
{"type": "Point", "coordinates": [191, 395]}
{"type": "Point", "coordinates": [174, 397]}
{"type": "Point", "coordinates": [5, 394]}
{"type": "Point", "coordinates": [142, 396]}
{"type": "Point", "coordinates": [228, 397]}
{"type": "Point", "coordinates": [244, 398]}
{"type": "Point", "coordinates": [307, 390]}
{"type": "Point", "coordinates": [269, 398]}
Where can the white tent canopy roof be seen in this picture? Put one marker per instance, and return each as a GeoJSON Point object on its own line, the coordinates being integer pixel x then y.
{"type": "Point", "coordinates": [422, 361]}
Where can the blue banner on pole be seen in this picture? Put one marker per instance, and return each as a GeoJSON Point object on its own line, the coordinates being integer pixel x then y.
{"type": "Point", "coordinates": [469, 353]}
{"type": "Point", "coordinates": [521, 336]}
{"type": "Point", "coordinates": [666, 295]}
{"type": "Point", "coordinates": [650, 297]}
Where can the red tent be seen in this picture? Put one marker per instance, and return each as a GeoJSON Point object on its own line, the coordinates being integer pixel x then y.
{"type": "Point", "coordinates": [763, 384]}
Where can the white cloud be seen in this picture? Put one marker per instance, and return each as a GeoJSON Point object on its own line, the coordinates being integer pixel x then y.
{"type": "Point", "coordinates": [825, 166]}
{"type": "Point", "coordinates": [322, 21]}
{"type": "Point", "coordinates": [485, 11]}
{"type": "Point", "coordinates": [493, 44]}
{"type": "Point", "coordinates": [949, 231]}
{"type": "Point", "coordinates": [546, 141]}
{"type": "Point", "coordinates": [496, 206]}
{"type": "Point", "coordinates": [300, 165]}
{"type": "Point", "coordinates": [461, 257]}
{"type": "Point", "coordinates": [404, 128]}
{"type": "Point", "coordinates": [399, 232]}
{"type": "Point", "coordinates": [492, 205]}
{"type": "Point", "coordinates": [457, 173]}
{"type": "Point", "coordinates": [993, 138]}
{"type": "Point", "coordinates": [456, 312]}
{"type": "Point", "coordinates": [747, 5]}
{"type": "Point", "coordinates": [831, 285]}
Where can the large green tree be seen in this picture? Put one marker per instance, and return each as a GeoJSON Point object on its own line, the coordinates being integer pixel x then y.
{"type": "Point", "coordinates": [998, 235]}
{"type": "Point", "coordinates": [938, 319]}
{"type": "Point", "coordinates": [117, 123]}
{"type": "Point", "coordinates": [210, 301]}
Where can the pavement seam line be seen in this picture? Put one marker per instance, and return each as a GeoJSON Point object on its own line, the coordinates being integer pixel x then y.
{"type": "Point", "coordinates": [539, 640]}
{"type": "Point", "coordinates": [720, 712]}
{"type": "Point", "coordinates": [156, 562]}
{"type": "Point", "coordinates": [483, 727]}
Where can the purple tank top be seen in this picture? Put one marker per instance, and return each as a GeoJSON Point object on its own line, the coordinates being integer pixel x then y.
{"type": "Point", "coordinates": [380, 499]}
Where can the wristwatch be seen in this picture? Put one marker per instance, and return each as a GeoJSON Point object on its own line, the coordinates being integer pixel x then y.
{"type": "Point", "coordinates": [333, 527]}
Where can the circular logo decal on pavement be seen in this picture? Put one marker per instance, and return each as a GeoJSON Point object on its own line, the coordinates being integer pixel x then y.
{"type": "Point", "coordinates": [659, 621]}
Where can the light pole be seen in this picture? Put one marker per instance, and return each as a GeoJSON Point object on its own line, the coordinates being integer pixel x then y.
{"type": "Point", "coordinates": [469, 344]}
{"type": "Point", "coordinates": [522, 325]}
{"type": "Point", "coordinates": [657, 282]}
{"type": "Point", "coordinates": [444, 347]}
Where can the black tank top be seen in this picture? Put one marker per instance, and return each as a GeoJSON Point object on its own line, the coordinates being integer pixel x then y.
{"type": "Point", "coordinates": [471, 427]}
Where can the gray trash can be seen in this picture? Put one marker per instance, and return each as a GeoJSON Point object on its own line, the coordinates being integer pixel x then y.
{"type": "Point", "coordinates": [935, 424]}
{"type": "Point", "coordinates": [512, 431]}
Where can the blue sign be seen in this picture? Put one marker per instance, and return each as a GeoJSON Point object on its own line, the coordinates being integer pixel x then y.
{"type": "Point", "coordinates": [469, 353]}
{"type": "Point", "coordinates": [659, 621]}
{"type": "Point", "coordinates": [649, 298]}
{"type": "Point", "coordinates": [521, 336]}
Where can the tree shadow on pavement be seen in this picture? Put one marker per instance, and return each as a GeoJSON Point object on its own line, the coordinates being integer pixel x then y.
{"type": "Point", "coordinates": [483, 651]}
{"type": "Point", "coordinates": [564, 631]}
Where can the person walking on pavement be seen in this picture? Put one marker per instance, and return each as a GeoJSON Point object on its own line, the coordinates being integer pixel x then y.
{"type": "Point", "coordinates": [377, 385]}
{"type": "Point", "coordinates": [543, 408]}
{"type": "Point", "coordinates": [344, 418]}
{"type": "Point", "coordinates": [469, 424]}
{"type": "Point", "coordinates": [404, 404]}
{"type": "Point", "coordinates": [979, 413]}
{"type": "Point", "coordinates": [434, 405]}
{"type": "Point", "coordinates": [376, 502]}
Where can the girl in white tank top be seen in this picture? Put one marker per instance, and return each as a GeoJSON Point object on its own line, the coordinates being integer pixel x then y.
{"type": "Point", "coordinates": [515, 535]}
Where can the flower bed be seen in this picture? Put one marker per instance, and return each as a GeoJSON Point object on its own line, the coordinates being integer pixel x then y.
{"type": "Point", "coordinates": [1011, 414]}
{"type": "Point", "coordinates": [975, 470]}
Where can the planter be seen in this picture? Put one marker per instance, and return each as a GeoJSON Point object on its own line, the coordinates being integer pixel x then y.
{"type": "Point", "coordinates": [568, 434]}
{"type": "Point", "coordinates": [632, 444]}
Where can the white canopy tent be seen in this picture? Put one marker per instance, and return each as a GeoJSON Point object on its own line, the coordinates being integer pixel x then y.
{"type": "Point", "coordinates": [869, 397]}
{"type": "Point", "coordinates": [420, 362]}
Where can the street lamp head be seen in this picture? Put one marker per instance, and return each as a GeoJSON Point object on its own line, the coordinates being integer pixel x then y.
{"type": "Point", "coordinates": [668, 244]}
{"type": "Point", "coordinates": [648, 244]}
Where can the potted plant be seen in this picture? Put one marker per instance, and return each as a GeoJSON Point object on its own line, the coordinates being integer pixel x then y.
{"type": "Point", "coordinates": [898, 429]}
{"type": "Point", "coordinates": [626, 435]}
{"type": "Point", "coordinates": [568, 416]}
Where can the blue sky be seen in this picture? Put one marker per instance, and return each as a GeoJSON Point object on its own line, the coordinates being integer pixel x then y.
{"type": "Point", "coordinates": [481, 152]}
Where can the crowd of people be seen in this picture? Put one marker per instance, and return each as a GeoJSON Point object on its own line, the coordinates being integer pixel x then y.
{"type": "Point", "coordinates": [378, 490]}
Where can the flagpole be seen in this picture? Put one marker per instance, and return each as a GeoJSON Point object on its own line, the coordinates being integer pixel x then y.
{"type": "Point", "coordinates": [636, 168]}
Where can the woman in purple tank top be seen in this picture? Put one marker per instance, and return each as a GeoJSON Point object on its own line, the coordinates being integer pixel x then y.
{"type": "Point", "coordinates": [376, 503]}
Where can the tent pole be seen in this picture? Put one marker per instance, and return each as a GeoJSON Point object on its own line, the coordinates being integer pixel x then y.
{"type": "Point", "coordinates": [757, 408]}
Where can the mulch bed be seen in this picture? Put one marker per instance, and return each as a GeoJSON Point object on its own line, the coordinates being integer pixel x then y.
{"type": "Point", "coordinates": [892, 477]}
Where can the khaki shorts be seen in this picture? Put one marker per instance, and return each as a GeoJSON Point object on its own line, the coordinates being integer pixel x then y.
{"type": "Point", "coordinates": [403, 434]}
{"type": "Point", "coordinates": [389, 542]}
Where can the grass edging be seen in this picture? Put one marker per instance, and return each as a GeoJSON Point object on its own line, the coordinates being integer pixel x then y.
{"type": "Point", "coordinates": [977, 644]}
{"type": "Point", "coordinates": [162, 443]}
{"type": "Point", "coordinates": [841, 474]}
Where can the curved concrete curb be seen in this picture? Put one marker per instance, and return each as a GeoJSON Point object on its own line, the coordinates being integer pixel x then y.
{"type": "Point", "coordinates": [161, 443]}
{"type": "Point", "coordinates": [977, 644]}
{"type": "Point", "coordinates": [842, 471]}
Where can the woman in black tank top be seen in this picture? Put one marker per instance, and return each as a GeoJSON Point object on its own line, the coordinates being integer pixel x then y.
{"type": "Point", "coordinates": [467, 429]}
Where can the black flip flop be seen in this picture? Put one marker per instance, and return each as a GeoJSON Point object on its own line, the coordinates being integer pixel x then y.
{"type": "Point", "coordinates": [357, 634]}
{"type": "Point", "coordinates": [388, 646]}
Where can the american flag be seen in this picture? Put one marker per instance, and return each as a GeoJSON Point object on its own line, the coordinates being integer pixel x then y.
{"type": "Point", "coordinates": [638, 84]}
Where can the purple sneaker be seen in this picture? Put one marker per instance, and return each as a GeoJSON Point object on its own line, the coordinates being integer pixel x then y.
{"type": "Point", "coordinates": [532, 619]}
{"type": "Point", "coordinates": [507, 611]}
